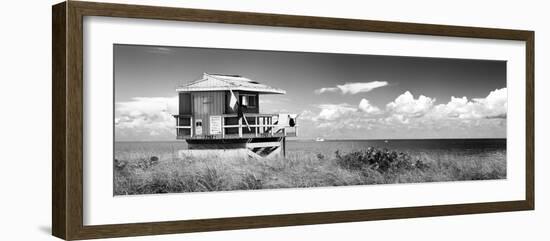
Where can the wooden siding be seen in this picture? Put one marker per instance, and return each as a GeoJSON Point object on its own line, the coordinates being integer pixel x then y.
{"type": "Point", "coordinates": [184, 103]}
{"type": "Point", "coordinates": [206, 104]}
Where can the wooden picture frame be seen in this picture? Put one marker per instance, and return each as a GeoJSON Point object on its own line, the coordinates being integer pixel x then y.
{"type": "Point", "coordinates": [67, 120]}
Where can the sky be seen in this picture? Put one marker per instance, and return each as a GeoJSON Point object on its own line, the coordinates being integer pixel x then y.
{"type": "Point", "coordinates": [337, 96]}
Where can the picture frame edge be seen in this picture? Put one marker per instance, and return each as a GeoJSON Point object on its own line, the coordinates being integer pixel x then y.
{"type": "Point", "coordinates": [59, 194]}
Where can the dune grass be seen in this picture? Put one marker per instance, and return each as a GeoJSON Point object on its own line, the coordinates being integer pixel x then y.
{"type": "Point", "coordinates": [147, 173]}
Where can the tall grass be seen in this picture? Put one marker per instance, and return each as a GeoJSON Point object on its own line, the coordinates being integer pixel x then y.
{"type": "Point", "coordinates": [146, 172]}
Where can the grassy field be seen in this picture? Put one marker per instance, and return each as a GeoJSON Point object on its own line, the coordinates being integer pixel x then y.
{"type": "Point", "coordinates": [146, 172]}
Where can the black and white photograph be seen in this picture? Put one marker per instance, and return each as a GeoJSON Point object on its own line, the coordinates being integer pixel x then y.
{"type": "Point", "coordinates": [190, 119]}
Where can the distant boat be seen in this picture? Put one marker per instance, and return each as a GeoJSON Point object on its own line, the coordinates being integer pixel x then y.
{"type": "Point", "coordinates": [319, 139]}
{"type": "Point", "coordinates": [385, 141]}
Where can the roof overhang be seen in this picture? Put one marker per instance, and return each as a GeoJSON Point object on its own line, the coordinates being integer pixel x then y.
{"type": "Point", "coordinates": [239, 88]}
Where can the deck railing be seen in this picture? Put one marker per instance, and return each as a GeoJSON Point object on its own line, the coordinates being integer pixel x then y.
{"type": "Point", "coordinates": [256, 125]}
{"type": "Point", "coordinates": [184, 125]}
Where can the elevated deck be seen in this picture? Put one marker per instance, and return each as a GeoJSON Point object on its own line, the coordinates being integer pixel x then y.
{"type": "Point", "coordinates": [230, 126]}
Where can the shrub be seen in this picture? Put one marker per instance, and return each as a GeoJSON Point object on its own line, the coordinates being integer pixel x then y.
{"type": "Point", "coordinates": [383, 161]}
{"type": "Point", "coordinates": [421, 165]}
{"type": "Point", "coordinates": [210, 180]}
{"type": "Point", "coordinates": [185, 182]}
{"type": "Point", "coordinates": [159, 183]}
{"type": "Point", "coordinates": [119, 164]}
{"type": "Point", "coordinates": [249, 182]}
{"type": "Point", "coordinates": [145, 163]}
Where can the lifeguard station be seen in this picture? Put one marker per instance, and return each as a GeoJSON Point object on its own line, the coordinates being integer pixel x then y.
{"type": "Point", "coordinates": [221, 113]}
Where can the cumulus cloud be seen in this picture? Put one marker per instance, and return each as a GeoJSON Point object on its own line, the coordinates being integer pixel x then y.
{"type": "Point", "coordinates": [409, 116]}
{"type": "Point", "coordinates": [495, 104]}
{"type": "Point", "coordinates": [338, 117]}
{"type": "Point", "coordinates": [334, 111]}
{"type": "Point", "coordinates": [395, 118]}
{"type": "Point", "coordinates": [492, 106]}
{"type": "Point", "coordinates": [353, 88]}
{"type": "Point", "coordinates": [406, 105]}
{"type": "Point", "coordinates": [145, 118]}
{"type": "Point", "coordinates": [366, 107]}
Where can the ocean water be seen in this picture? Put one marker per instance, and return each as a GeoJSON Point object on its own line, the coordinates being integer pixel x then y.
{"type": "Point", "coordinates": [480, 148]}
{"type": "Point", "coordinates": [472, 146]}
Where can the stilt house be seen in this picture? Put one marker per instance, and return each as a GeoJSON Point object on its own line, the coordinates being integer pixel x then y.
{"type": "Point", "coordinates": [223, 112]}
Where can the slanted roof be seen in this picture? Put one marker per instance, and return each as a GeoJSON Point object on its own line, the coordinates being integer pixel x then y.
{"type": "Point", "coordinates": [219, 82]}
